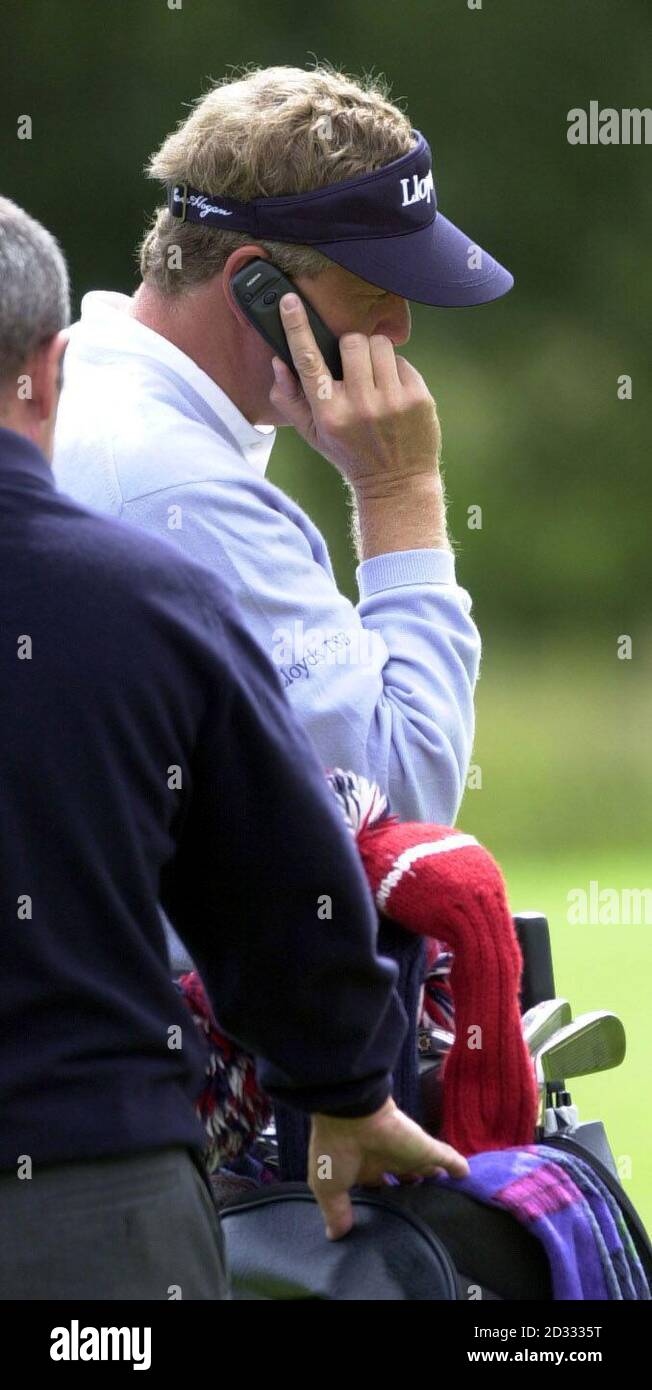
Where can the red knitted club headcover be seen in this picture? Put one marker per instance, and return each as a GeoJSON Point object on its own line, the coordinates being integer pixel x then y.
{"type": "Point", "coordinates": [441, 883]}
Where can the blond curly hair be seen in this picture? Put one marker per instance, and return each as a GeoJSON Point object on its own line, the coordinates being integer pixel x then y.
{"type": "Point", "coordinates": [267, 132]}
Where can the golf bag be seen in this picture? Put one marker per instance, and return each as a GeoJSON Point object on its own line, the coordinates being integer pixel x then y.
{"type": "Point", "coordinates": [423, 1242]}
{"type": "Point", "coordinates": [407, 1243]}
{"type": "Point", "coordinates": [414, 1241]}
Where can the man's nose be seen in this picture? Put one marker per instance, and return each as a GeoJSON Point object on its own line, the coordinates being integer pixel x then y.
{"type": "Point", "coordinates": [395, 321]}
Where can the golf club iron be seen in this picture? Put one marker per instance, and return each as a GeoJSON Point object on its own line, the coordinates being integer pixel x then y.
{"type": "Point", "coordinates": [593, 1042]}
{"type": "Point", "coordinates": [544, 1019]}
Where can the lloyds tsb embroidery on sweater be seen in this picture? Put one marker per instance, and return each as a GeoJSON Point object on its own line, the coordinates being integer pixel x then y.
{"type": "Point", "coordinates": [333, 651]}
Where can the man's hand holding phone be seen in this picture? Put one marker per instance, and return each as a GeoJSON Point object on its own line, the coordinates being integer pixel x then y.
{"type": "Point", "coordinates": [378, 427]}
{"type": "Point", "coordinates": [378, 424]}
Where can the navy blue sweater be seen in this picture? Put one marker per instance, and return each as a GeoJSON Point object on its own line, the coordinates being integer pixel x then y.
{"type": "Point", "coordinates": [148, 758]}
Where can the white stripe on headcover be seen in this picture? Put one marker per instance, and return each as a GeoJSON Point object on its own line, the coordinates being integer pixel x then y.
{"type": "Point", "coordinates": [416, 852]}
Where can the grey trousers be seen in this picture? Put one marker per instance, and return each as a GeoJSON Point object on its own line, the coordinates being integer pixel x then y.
{"type": "Point", "coordinates": [140, 1227]}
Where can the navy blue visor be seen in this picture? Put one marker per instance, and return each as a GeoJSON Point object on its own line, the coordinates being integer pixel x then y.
{"type": "Point", "coordinates": [384, 227]}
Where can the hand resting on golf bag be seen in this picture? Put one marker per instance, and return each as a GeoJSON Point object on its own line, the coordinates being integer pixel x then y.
{"type": "Point", "coordinates": [358, 1153]}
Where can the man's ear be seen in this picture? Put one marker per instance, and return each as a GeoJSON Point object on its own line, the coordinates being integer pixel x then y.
{"type": "Point", "coordinates": [44, 371]}
{"type": "Point", "coordinates": [235, 262]}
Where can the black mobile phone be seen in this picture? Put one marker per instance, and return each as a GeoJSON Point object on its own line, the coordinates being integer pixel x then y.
{"type": "Point", "coordinates": [258, 288]}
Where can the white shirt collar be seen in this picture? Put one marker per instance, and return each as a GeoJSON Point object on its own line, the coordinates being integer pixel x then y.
{"type": "Point", "coordinates": [106, 316]}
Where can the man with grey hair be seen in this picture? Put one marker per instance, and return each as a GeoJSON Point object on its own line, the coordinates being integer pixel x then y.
{"type": "Point", "coordinates": [33, 326]}
{"type": "Point", "coordinates": [173, 400]}
{"type": "Point", "coordinates": [148, 757]}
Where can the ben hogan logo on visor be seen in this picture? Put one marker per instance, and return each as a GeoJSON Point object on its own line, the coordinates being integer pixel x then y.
{"type": "Point", "coordinates": [200, 202]}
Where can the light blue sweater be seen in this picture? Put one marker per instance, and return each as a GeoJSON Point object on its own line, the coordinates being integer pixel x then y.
{"type": "Point", "coordinates": [384, 687]}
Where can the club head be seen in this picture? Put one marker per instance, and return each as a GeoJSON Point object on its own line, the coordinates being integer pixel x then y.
{"type": "Point", "coordinates": [437, 1039]}
{"type": "Point", "coordinates": [544, 1019]}
{"type": "Point", "coordinates": [592, 1043]}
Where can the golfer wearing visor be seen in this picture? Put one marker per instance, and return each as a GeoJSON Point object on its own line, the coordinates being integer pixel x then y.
{"type": "Point", "coordinates": [172, 399]}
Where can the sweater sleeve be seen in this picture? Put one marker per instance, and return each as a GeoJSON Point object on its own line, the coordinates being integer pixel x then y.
{"type": "Point", "coordinates": [268, 893]}
{"type": "Point", "coordinates": [384, 687]}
